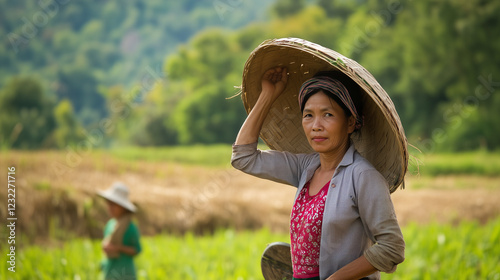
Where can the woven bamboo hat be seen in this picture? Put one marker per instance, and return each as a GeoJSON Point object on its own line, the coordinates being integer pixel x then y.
{"type": "Point", "coordinates": [381, 140]}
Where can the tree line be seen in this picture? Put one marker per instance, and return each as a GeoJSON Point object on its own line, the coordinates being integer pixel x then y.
{"type": "Point", "coordinates": [436, 59]}
{"type": "Point", "coordinates": [75, 55]}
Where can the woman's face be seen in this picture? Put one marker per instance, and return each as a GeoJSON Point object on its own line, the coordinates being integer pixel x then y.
{"type": "Point", "coordinates": [115, 210]}
{"type": "Point", "coordinates": [325, 124]}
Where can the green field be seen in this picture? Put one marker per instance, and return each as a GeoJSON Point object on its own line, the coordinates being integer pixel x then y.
{"type": "Point", "coordinates": [467, 251]}
{"type": "Point", "coordinates": [481, 163]}
{"type": "Point", "coordinates": [470, 163]}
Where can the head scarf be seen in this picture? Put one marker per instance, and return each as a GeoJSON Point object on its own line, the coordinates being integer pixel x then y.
{"type": "Point", "coordinates": [333, 86]}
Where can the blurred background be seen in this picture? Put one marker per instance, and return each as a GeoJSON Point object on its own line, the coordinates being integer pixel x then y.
{"type": "Point", "coordinates": [140, 91]}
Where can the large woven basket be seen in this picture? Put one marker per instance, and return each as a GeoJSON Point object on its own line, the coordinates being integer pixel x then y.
{"type": "Point", "coordinates": [381, 140]}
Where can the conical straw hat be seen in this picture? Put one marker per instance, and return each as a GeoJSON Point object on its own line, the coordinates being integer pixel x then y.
{"type": "Point", "coordinates": [118, 193]}
{"type": "Point", "coordinates": [381, 140]}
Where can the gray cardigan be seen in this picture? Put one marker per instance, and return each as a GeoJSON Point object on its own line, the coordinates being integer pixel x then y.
{"type": "Point", "coordinates": [359, 216]}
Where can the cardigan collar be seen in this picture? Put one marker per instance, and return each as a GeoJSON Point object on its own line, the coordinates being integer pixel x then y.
{"type": "Point", "coordinates": [347, 160]}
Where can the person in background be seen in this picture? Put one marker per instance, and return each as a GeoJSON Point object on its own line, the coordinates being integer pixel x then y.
{"type": "Point", "coordinates": [121, 236]}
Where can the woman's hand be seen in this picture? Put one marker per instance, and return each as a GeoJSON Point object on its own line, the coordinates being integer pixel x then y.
{"type": "Point", "coordinates": [110, 250]}
{"type": "Point", "coordinates": [274, 82]}
{"type": "Point", "coordinates": [113, 251]}
{"type": "Point", "coordinates": [356, 269]}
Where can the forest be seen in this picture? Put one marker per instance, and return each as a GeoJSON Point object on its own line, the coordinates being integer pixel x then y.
{"type": "Point", "coordinates": [163, 73]}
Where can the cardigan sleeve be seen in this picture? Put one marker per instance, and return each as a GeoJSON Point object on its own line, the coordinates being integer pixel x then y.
{"type": "Point", "coordinates": [282, 167]}
{"type": "Point", "coordinates": [379, 220]}
{"type": "Point", "coordinates": [133, 238]}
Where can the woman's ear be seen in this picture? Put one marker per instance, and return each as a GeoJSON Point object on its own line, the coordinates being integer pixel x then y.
{"type": "Point", "coordinates": [351, 124]}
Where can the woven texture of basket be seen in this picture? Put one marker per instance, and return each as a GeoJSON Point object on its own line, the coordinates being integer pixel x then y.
{"type": "Point", "coordinates": [381, 141]}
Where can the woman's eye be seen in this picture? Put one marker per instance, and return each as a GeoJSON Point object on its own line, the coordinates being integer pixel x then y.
{"type": "Point", "coordinates": [307, 116]}
{"type": "Point", "coordinates": [328, 115]}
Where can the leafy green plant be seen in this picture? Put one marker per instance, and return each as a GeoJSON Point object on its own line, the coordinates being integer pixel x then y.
{"type": "Point", "coordinates": [434, 251]}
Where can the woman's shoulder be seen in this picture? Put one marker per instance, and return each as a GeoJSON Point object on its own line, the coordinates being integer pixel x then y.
{"type": "Point", "coordinates": [361, 164]}
{"type": "Point", "coordinates": [132, 228]}
{"type": "Point", "coordinates": [365, 174]}
{"type": "Point", "coordinates": [133, 225]}
{"type": "Point", "coordinates": [363, 168]}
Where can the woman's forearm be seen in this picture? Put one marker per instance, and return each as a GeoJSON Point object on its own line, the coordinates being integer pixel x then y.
{"type": "Point", "coordinates": [356, 269]}
{"type": "Point", "coordinates": [250, 130]}
{"type": "Point", "coordinates": [128, 250]}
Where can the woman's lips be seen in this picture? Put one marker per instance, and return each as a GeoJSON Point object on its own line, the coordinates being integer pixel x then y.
{"type": "Point", "coordinates": [319, 139]}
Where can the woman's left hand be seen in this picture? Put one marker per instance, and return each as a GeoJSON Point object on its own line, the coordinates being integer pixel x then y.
{"type": "Point", "coordinates": [110, 249]}
{"type": "Point", "coordinates": [356, 269]}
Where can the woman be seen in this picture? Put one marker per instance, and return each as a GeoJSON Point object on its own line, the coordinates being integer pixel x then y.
{"type": "Point", "coordinates": [121, 236]}
{"type": "Point", "coordinates": [343, 224]}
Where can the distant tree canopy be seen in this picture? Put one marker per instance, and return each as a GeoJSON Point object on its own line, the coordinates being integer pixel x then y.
{"type": "Point", "coordinates": [193, 101]}
{"type": "Point", "coordinates": [284, 8]}
{"type": "Point", "coordinates": [68, 130]}
{"type": "Point", "coordinates": [80, 52]}
{"type": "Point", "coordinates": [79, 87]}
{"type": "Point", "coordinates": [436, 59]}
{"type": "Point", "coordinates": [113, 41]}
{"type": "Point", "coordinates": [26, 120]}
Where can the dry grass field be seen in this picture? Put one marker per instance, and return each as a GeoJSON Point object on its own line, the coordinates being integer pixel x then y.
{"type": "Point", "coordinates": [55, 196]}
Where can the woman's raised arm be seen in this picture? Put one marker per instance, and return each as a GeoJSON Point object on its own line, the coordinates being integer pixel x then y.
{"type": "Point", "coordinates": [273, 83]}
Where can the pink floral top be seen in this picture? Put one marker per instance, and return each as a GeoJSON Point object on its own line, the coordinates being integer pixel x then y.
{"type": "Point", "coordinates": [305, 232]}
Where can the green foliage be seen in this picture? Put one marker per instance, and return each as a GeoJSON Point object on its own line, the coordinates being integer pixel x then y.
{"type": "Point", "coordinates": [68, 129]}
{"type": "Point", "coordinates": [337, 9]}
{"type": "Point", "coordinates": [284, 8]}
{"type": "Point", "coordinates": [437, 68]}
{"type": "Point", "coordinates": [202, 77]}
{"type": "Point", "coordinates": [42, 185]}
{"type": "Point", "coordinates": [29, 120]}
{"type": "Point", "coordinates": [80, 88]}
{"type": "Point", "coordinates": [472, 163]}
{"type": "Point", "coordinates": [203, 74]}
{"type": "Point", "coordinates": [435, 59]}
{"type": "Point", "coordinates": [374, 33]}
{"type": "Point", "coordinates": [112, 41]}
{"type": "Point", "coordinates": [435, 251]}
{"type": "Point", "coordinates": [80, 49]}
{"type": "Point", "coordinates": [26, 119]}
{"type": "Point", "coordinates": [207, 117]}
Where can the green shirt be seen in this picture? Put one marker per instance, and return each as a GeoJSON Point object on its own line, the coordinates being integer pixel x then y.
{"type": "Point", "coordinates": [122, 267]}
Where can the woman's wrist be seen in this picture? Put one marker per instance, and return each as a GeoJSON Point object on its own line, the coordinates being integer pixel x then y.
{"type": "Point", "coordinates": [266, 98]}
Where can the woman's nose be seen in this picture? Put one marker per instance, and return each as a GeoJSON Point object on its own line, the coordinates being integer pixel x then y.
{"type": "Point", "coordinates": [317, 125]}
